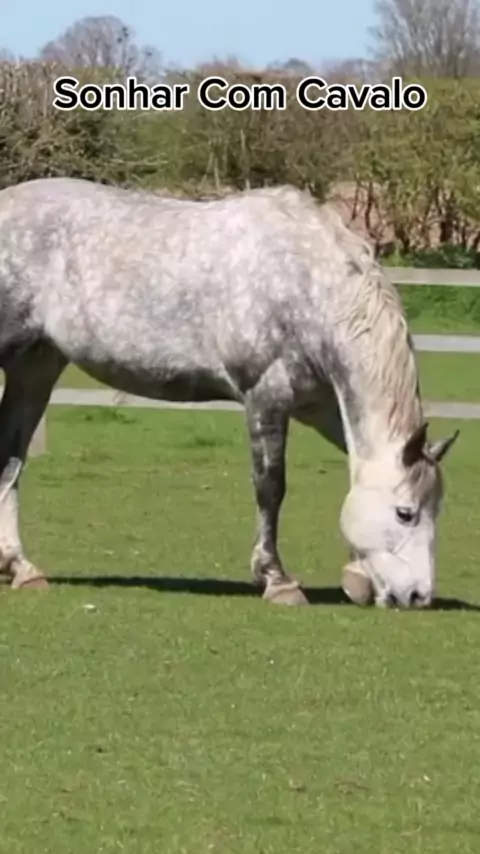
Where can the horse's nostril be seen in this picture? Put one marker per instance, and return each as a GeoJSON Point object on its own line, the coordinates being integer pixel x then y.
{"type": "Point", "coordinates": [418, 601]}
{"type": "Point", "coordinates": [412, 600]}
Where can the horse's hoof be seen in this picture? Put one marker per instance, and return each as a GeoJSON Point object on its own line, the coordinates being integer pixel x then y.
{"type": "Point", "coordinates": [284, 593]}
{"type": "Point", "coordinates": [37, 583]}
{"type": "Point", "coordinates": [357, 585]}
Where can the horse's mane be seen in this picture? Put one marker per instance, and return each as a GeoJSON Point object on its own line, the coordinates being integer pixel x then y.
{"type": "Point", "coordinates": [373, 315]}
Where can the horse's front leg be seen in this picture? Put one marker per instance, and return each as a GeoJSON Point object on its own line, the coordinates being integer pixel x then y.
{"type": "Point", "coordinates": [268, 437]}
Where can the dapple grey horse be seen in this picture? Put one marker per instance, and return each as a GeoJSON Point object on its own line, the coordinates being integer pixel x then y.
{"type": "Point", "coordinates": [264, 298]}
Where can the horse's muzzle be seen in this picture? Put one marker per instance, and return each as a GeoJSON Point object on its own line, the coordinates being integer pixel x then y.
{"type": "Point", "coordinates": [412, 599]}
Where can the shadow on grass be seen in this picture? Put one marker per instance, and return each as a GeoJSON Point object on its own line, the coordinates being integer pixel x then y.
{"type": "Point", "coordinates": [454, 605]}
{"type": "Point", "coordinates": [225, 587]}
{"type": "Point", "coordinates": [199, 586]}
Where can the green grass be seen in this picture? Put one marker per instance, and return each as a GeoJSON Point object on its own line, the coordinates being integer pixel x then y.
{"type": "Point", "coordinates": [430, 324]}
{"type": "Point", "coordinates": [188, 723]}
{"type": "Point", "coordinates": [450, 376]}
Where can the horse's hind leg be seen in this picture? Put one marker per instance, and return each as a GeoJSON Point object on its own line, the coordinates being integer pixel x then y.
{"type": "Point", "coordinates": [268, 429]}
{"type": "Point", "coordinates": [30, 377]}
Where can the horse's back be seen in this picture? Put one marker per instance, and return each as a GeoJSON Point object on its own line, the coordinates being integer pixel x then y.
{"type": "Point", "coordinates": [136, 285]}
{"type": "Point", "coordinates": [143, 288]}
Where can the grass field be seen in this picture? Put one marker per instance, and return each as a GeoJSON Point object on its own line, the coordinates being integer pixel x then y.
{"type": "Point", "coordinates": [182, 715]}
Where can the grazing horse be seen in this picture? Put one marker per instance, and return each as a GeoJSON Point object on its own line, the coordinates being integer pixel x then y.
{"type": "Point", "coordinates": [264, 298]}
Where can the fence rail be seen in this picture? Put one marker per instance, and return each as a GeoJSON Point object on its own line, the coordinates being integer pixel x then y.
{"type": "Point", "coordinates": [426, 343]}
{"type": "Point", "coordinates": [433, 278]}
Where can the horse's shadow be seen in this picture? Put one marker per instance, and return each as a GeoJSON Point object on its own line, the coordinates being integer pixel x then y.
{"type": "Point", "coordinates": [228, 588]}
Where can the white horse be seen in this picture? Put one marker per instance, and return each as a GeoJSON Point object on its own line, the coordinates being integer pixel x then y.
{"type": "Point", "coordinates": [263, 298]}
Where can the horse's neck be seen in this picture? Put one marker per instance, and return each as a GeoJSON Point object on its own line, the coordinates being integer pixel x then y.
{"type": "Point", "coordinates": [367, 355]}
{"type": "Point", "coordinates": [376, 424]}
{"type": "Point", "coordinates": [367, 436]}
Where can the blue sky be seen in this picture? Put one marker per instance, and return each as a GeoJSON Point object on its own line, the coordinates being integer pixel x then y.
{"type": "Point", "coordinates": [189, 31]}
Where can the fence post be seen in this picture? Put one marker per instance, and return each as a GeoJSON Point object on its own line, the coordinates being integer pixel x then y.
{"type": "Point", "coordinates": [38, 444]}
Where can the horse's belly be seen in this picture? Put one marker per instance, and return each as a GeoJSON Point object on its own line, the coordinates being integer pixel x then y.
{"type": "Point", "coordinates": [193, 386]}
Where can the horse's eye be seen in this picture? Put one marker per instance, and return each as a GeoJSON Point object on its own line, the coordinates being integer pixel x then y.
{"type": "Point", "coordinates": [405, 515]}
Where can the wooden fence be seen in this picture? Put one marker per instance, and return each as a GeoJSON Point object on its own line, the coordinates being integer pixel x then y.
{"type": "Point", "coordinates": [424, 343]}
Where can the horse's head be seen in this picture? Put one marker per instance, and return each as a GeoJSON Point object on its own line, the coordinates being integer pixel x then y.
{"type": "Point", "coordinates": [389, 520]}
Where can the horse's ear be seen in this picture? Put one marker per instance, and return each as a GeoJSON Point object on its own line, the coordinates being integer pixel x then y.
{"type": "Point", "coordinates": [414, 447]}
{"type": "Point", "coordinates": [438, 450]}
